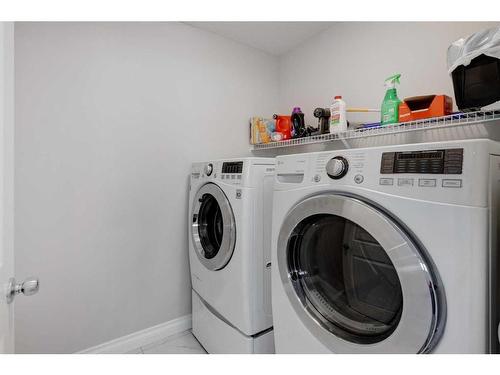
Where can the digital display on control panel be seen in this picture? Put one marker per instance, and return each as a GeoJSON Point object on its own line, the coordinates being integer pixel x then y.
{"type": "Point", "coordinates": [426, 162]}
{"type": "Point", "coordinates": [232, 167]}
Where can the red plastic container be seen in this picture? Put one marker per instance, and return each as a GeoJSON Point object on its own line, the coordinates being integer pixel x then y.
{"type": "Point", "coordinates": [284, 125]}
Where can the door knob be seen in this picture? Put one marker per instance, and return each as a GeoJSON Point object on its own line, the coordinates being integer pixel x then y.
{"type": "Point", "coordinates": [28, 287]}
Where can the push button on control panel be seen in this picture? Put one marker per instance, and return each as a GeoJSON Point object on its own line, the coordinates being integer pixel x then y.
{"type": "Point", "coordinates": [386, 181]}
{"type": "Point", "coordinates": [452, 183]}
{"type": "Point", "coordinates": [405, 181]}
{"type": "Point", "coordinates": [358, 178]}
{"type": "Point", "coordinates": [427, 182]}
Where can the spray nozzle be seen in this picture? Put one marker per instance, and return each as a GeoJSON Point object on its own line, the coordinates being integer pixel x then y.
{"type": "Point", "coordinates": [392, 80]}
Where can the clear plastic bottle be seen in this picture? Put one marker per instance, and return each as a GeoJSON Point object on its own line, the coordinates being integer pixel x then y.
{"type": "Point", "coordinates": [338, 118]}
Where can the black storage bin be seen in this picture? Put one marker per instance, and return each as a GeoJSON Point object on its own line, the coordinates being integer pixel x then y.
{"type": "Point", "coordinates": [477, 84]}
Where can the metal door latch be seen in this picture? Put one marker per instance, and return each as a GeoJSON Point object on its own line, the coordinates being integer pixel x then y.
{"type": "Point", "coordinates": [28, 287]}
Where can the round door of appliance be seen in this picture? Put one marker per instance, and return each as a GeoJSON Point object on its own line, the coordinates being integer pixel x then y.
{"type": "Point", "coordinates": [357, 279]}
{"type": "Point", "coordinates": [213, 227]}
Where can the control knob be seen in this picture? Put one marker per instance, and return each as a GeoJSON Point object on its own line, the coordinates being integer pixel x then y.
{"type": "Point", "coordinates": [337, 167]}
{"type": "Point", "coordinates": [209, 168]}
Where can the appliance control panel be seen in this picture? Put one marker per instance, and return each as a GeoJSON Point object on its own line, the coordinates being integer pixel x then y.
{"type": "Point", "coordinates": [230, 172]}
{"type": "Point", "coordinates": [446, 172]}
{"type": "Point", "coordinates": [447, 161]}
{"type": "Point", "coordinates": [232, 167]}
{"type": "Point", "coordinates": [243, 172]}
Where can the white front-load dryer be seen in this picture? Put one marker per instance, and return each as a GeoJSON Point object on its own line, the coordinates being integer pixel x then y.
{"type": "Point", "coordinates": [387, 249]}
{"type": "Point", "coordinates": [229, 254]}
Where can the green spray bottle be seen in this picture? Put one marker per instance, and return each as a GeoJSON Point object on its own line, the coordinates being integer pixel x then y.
{"type": "Point", "coordinates": [390, 105]}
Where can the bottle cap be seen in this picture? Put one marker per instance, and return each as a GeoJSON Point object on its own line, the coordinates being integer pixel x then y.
{"type": "Point", "coordinates": [338, 97]}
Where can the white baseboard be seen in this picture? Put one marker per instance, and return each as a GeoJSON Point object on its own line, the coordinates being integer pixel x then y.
{"type": "Point", "coordinates": [137, 339]}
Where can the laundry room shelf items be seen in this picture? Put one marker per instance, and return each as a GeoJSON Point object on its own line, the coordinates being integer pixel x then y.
{"type": "Point", "coordinates": [456, 120]}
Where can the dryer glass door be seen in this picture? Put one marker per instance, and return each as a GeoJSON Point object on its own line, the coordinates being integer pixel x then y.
{"type": "Point", "coordinates": [213, 227]}
{"type": "Point", "coordinates": [362, 284]}
{"type": "Point", "coordinates": [347, 277]}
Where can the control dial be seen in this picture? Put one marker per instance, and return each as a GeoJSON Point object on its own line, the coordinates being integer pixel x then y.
{"type": "Point", "coordinates": [209, 168]}
{"type": "Point", "coordinates": [337, 167]}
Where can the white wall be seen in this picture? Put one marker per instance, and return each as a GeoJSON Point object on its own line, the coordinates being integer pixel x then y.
{"type": "Point", "coordinates": [353, 60]}
{"type": "Point", "coordinates": [108, 119]}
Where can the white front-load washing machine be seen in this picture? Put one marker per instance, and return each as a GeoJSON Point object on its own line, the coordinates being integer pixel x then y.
{"type": "Point", "coordinates": [229, 254]}
{"type": "Point", "coordinates": [387, 249]}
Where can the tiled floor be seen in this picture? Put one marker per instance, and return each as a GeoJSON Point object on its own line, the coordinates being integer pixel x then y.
{"type": "Point", "coordinates": [182, 343]}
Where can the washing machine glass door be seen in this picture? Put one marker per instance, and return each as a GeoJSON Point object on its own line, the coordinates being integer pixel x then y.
{"type": "Point", "coordinates": [213, 227]}
{"type": "Point", "coordinates": [357, 280]}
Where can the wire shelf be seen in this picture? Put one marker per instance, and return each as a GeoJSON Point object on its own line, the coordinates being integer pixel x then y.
{"type": "Point", "coordinates": [459, 119]}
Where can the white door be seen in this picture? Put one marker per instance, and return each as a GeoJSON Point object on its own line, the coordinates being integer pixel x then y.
{"type": "Point", "coordinates": [6, 184]}
{"type": "Point", "coordinates": [8, 286]}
